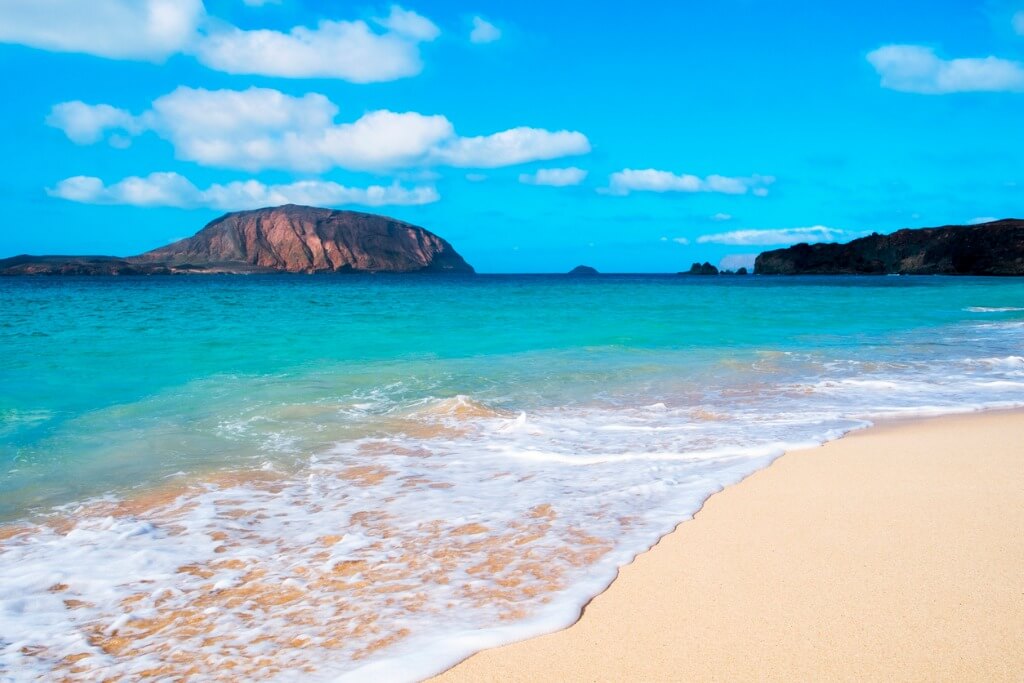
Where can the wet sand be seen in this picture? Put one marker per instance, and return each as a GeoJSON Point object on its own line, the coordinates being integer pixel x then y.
{"type": "Point", "coordinates": [896, 553]}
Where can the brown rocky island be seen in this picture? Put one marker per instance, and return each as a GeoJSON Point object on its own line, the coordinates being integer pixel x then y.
{"type": "Point", "coordinates": [995, 248]}
{"type": "Point", "coordinates": [289, 239]}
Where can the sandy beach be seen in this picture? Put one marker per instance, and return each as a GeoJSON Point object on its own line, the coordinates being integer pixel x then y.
{"type": "Point", "coordinates": [896, 553]}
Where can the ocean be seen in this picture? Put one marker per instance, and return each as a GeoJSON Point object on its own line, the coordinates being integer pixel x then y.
{"type": "Point", "coordinates": [371, 477]}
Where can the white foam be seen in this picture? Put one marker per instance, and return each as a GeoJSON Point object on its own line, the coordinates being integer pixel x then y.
{"type": "Point", "coordinates": [447, 526]}
{"type": "Point", "coordinates": [1008, 362]}
{"type": "Point", "coordinates": [993, 309]}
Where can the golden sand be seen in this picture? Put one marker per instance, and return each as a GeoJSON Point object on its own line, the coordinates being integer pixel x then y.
{"type": "Point", "coordinates": [893, 554]}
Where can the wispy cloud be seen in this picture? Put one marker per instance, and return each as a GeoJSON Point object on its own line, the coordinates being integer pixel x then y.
{"type": "Point", "coordinates": [1018, 22]}
{"type": "Point", "coordinates": [816, 233]}
{"type": "Point", "coordinates": [261, 128]}
{"type": "Point", "coordinates": [652, 180]}
{"type": "Point", "coordinates": [554, 177]}
{"type": "Point", "coordinates": [917, 69]}
{"type": "Point", "coordinates": [174, 190]}
{"type": "Point", "coordinates": [509, 147]}
{"type": "Point", "coordinates": [484, 31]}
{"type": "Point", "coordinates": [721, 217]}
{"type": "Point", "coordinates": [408, 23]}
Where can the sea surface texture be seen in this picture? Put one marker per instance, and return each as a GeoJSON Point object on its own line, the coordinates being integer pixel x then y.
{"type": "Point", "coordinates": [370, 478]}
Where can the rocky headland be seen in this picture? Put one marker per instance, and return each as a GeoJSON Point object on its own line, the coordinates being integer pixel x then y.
{"type": "Point", "coordinates": [290, 239]}
{"type": "Point", "coordinates": [995, 248]}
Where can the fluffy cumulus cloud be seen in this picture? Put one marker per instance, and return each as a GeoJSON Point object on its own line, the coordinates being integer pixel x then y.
{"type": "Point", "coordinates": [172, 189]}
{"type": "Point", "coordinates": [917, 69]}
{"type": "Point", "coordinates": [156, 29]}
{"type": "Point", "coordinates": [816, 233]}
{"type": "Point", "coordinates": [484, 31]}
{"type": "Point", "coordinates": [555, 177]}
{"type": "Point", "coordinates": [260, 128]}
{"type": "Point", "coordinates": [652, 180]}
{"type": "Point", "coordinates": [117, 29]}
{"type": "Point", "coordinates": [348, 50]}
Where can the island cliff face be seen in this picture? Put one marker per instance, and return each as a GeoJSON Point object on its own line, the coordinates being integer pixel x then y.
{"type": "Point", "coordinates": [293, 239]}
{"type": "Point", "coordinates": [995, 248]}
{"type": "Point", "coordinates": [300, 239]}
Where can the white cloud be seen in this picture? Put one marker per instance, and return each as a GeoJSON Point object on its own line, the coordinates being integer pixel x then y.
{"type": "Point", "coordinates": [117, 29]}
{"type": "Point", "coordinates": [737, 261]}
{"type": "Point", "coordinates": [652, 180]}
{"type": "Point", "coordinates": [1018, 22]}
{"type": "Point", "coordinates": [510, 147]}
{"type": "Point", "coordinates": [261, 128]}
{"type": "Point", "coordinates": [349, 50]}
{"type": "Point", "coordinates": [407, 23]}
{"type": "Point", "coordinates": [155, 29]}
{"type": "Point", "coordinates": [555, 177]}
{"type": "Point", "coordinates": [484, 31]}
{"type": "Point", "coordinates": [917, 69]}
{"type": "Point", "coordinates": [172, 189]}
{"type": "Point", "coordinates": [85, 124]}
{"type": "Point", "coordinates": [721, 217]}
{"type": "Point", "coordinates": [681, 240]}
{"type": "Point", "coordinates": [981, 219]}
{"type": "Point", "coordinates": [816, 233]}
{"type": "Point", "coordinates": [476, 177]}
{"type": "Point", "coordinates": [258, 128]}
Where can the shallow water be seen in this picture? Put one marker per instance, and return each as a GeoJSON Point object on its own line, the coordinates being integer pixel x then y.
{"type": "Point", "coordinates": [324, 477]}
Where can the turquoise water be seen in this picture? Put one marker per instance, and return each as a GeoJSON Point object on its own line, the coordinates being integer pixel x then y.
{"type": "Point", "coordinates": [620, 402]}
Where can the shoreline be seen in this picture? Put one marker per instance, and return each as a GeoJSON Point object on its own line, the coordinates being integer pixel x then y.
{"type": "Point", "coordinates": [816, 566]}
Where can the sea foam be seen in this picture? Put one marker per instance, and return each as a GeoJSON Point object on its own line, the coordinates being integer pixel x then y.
{"type": "Point", "coordinates": [396, 555]}
{"type": "Point", "coordinates": [387, 530]}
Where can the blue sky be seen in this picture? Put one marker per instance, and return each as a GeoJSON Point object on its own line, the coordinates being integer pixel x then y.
{"type": "Point", "coordinates": [534, 136]}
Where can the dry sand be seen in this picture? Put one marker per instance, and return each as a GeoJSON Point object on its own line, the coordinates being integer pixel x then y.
{"type": "Point", "coordinates": [896, 553]}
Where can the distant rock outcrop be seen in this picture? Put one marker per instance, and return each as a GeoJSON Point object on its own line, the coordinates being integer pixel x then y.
{"type": "Point", "coordinates": [701, 269]}
{"type": "Point", "coordinates": [583, 270]}
{"type": "Point", "coordinates": [76, 265]}
{"type": "Point", "coordinates": [995, 248]}
{"type": "Point", "coordinates": [293, 239]}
